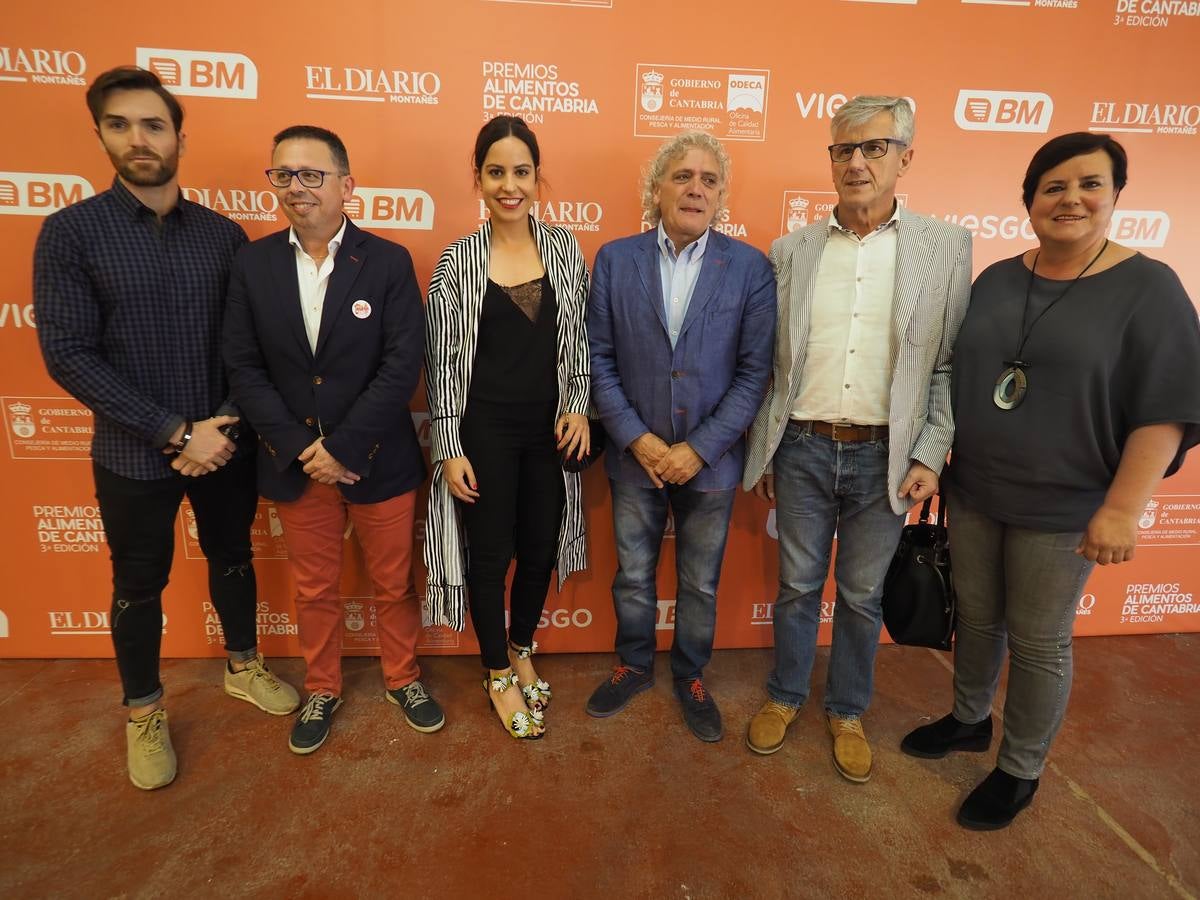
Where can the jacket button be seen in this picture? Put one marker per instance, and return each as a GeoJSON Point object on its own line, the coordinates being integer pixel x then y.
{"type": "Point", "coordinates": [676, 373]}
{"type": "Point", "coordinates": [310, 421]}
{"type": "Point", "coordinates": [316, 379]}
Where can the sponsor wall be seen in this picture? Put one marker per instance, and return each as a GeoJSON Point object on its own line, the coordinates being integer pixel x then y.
{"type": "Point", "coordinates": [408, 84]}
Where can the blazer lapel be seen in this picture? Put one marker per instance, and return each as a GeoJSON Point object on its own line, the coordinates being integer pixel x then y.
{"type": "Point", "coordinates": [283, 263]}
{"type": "Point", "coordinates": [346, 266]}
{"type": "Point", "coordinates": [712, 274]}
{"type": "Point", "coordinates": [648, 267]}
{"type": "Point", "coordinates": [806, 263]}
{"type": "Point", "coordinates": [910, 260]}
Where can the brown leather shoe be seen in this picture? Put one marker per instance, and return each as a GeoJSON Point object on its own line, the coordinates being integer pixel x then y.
{"type": "Point", "coordinates": [851, 752]}
{"type": "Point", "coordinates": [769, 727]}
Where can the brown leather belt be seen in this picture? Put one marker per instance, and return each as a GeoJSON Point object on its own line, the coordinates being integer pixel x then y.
{"type": "Point", "coordinates": [840, 431]}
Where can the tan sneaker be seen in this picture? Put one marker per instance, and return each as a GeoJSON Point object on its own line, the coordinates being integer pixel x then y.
{"type": "Point", "coordinates": [769, 727]}
{"type": "Point", "coordinates": [150, 754]}
{"type": "Point", "coordinates": [851, 752]}
{"type": "Point", "coordinates": [258, 685]}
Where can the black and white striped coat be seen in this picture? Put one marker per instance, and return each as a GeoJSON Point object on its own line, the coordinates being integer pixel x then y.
{"type": "Point", "coordinates": [933, 287]}
{"type": "Point", "coordinates": [451, 331]}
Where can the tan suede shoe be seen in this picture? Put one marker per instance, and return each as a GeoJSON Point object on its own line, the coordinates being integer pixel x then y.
{"type": "Point", "coordinates": [258, 685]}
{"type": "Point", "coordinates": [769, 727]}
{"type": "Point", "coordinates": [851, 752]}
{"type": "Point", "coordinates": [149, 752]}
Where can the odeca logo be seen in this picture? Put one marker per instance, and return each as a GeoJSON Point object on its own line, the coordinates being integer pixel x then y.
{"type": "Point", "coordinates": [40, 193]}
{"type": "Point", "coordinates": [36, 65]}
{"type": "Point", "coordinates": [202, 73]}
{"type": "Point", "coordinates": [1003, 110]}
{"type": "Point", "coordinates": [391, 208]}
{"type": "Point", "coordinates": [1140, 227]}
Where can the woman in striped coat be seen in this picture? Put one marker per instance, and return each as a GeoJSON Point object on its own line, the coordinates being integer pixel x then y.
{"type": "Point", "coordinates": [508, 380]}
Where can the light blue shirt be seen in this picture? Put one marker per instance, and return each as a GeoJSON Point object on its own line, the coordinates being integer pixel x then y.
{"type": "Point", "coordinates": [679, 274]}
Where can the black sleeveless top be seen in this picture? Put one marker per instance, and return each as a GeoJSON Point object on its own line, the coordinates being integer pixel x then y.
{"type": "Point", "coordinates": [516, 354]}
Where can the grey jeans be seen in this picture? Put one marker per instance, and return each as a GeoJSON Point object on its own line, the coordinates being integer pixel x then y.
{"type": "Point", "coordinates": [1020, 587]}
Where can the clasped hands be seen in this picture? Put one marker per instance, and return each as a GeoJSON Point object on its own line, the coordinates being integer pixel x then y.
{"type": "Point", "coordinates": [665, 463]}
{"type": "Point", "coordinates": [206, 451]}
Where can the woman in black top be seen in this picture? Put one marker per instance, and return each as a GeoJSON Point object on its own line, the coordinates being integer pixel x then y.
{"type": "Point", "coordinates": [507, 375]}
{"type": "Point", "coordinates": [1076, 387]}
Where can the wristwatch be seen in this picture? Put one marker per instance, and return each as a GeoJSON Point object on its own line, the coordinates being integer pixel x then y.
{"type": "Point", "coordinates": [180, 445]}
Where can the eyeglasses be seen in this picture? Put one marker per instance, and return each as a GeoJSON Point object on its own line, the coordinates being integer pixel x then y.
{"type": "Point", "coordinates": [872, 149]}
{"type": "Point", "coordinates": [310, 178]}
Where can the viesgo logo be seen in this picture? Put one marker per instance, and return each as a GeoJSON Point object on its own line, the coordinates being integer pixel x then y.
{"type": "Point", "coordinates": [40, 66]}
{"type": "Point", "coordinates": [40, 193]}
{"type": "Point", "coordinates": [1003, 110]}
{"type": "Point", "coordinates": [391, 208]}
{"type": "Point", "coordinates": [202, 73]}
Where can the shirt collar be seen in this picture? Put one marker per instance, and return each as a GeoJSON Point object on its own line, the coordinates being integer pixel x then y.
{"type": "Point", "coordinates": [692, 251]}
{"type": "Point", "coordinates": [334, 243]}
{"type": "Point", "coordinates": [136, 207]}
{"type": "Point", "coordinates": [893, 219]}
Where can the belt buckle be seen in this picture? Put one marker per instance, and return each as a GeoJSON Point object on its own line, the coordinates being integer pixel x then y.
{"type": "Point", "coordinates": [833, 431]}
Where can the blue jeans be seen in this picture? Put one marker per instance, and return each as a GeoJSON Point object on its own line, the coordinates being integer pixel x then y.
{"type": "Point", "coordinates": [823, 486]}
{"type": "Point", "coordinates": [701, 525]}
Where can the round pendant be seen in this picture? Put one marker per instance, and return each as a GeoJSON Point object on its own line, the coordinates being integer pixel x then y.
{"type": "Point", "coordinates": [1010, 388]}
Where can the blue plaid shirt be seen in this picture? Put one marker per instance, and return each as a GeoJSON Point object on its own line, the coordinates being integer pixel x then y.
{"type": "Point", "coordinates": [129, 318]}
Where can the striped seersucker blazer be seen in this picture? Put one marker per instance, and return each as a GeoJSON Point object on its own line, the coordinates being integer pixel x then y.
{"type": "Point", "coordinates": [933, 287]}
{"type": "Point", "coordinates": [451, 330]}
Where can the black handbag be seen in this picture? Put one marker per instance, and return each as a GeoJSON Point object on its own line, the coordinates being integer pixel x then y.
{"type": "Point", "coordinates": [571, 461]}
{"type": "Point", "coordinates": [918, 592]}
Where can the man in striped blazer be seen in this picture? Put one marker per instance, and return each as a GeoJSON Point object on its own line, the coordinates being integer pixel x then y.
{"type": "Point", "coordinates": [857, 423]}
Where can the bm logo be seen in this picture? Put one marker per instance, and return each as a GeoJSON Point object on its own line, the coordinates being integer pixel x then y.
{"type": "Point", "coordinates": [391, 208]}
{"type": "Point", "coordinates": [1140, 227]}
{"type": "Point", "coordinates": [39, 193]}
{"type": "Point", "coordinates": [202, 73]}
{"type": "Point", "coordinates": [1003, 111]}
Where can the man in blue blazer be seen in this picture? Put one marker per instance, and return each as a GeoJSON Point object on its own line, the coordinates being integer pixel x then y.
{"type": "Point", "coordinates": [324, 337]}
{"type": "Point", "coordinates": [681, 321]}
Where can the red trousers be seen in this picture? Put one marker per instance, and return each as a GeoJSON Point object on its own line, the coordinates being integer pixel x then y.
{"type": "Point", "coordinates": [314, 527]}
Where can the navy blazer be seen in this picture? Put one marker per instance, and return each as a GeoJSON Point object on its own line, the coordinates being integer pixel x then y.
{"type": "Point", "coordinates": [357, 386]}
{"type": "Point", "coordinates": [706, 389]}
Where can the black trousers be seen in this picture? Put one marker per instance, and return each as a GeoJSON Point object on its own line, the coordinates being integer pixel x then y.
{"type": "Point", "coordinates": [139, 524]}
{"type": "Point", "coordinates": [518, 513]}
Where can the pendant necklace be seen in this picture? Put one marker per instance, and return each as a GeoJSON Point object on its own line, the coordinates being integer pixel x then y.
{"type": "Point", "coordinates": [1013, 383]}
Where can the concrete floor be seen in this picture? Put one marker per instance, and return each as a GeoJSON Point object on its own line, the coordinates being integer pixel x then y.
{"type": "Point", "coordinates": [631, 806]}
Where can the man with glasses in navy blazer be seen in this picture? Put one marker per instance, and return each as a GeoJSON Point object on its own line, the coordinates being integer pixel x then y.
{"type": "Point", "coordinates": [324, 339]}
{"type": "Point", "coordinates": [857, 425]}
{"type": "Point", "coordinates": [680, 323]}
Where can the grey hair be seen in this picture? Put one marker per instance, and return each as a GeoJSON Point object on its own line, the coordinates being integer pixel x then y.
{"type": "Point", "coordinates": [656, 169]}
{"type": "Point", "coordinates": [862, 109]}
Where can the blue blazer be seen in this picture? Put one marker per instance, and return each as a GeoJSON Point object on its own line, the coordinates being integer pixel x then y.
{"type": "Point", "coordinates": [357, 386]}
{"type": "Point", "coordinates": [704, 391]}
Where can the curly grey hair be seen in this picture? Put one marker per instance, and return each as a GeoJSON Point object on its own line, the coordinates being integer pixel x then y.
{"type": "Point", "coordinates": [656, 169]}
{"type": "Point", "coordinates": [862, 109]}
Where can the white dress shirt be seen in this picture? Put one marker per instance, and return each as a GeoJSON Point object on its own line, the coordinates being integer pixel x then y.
{"type": "Point", "coordinates": [847, 373]}
{"type": "Point", "coordinates": [313, 281]}
{"type": "Point", "coordinates": [679, 273]}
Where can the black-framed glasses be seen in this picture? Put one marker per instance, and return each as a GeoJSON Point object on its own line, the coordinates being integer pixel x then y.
{"type": "Point", "coordinates": [310, 178]}
{"type": "Point", "coordinates": [872, 149]}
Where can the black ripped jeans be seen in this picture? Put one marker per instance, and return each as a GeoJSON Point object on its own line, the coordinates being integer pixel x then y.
{"type": "Point", "coordinates": [139, 524]}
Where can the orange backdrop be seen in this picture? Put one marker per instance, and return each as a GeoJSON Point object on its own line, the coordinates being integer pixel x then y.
{"type": "Point", "coordinates": [407, 85]}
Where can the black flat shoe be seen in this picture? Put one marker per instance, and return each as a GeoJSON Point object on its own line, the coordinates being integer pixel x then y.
{"type": "Point", "coordinates": [935, 740]}
{"type": "Point", "coordinates": [996, 801]}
